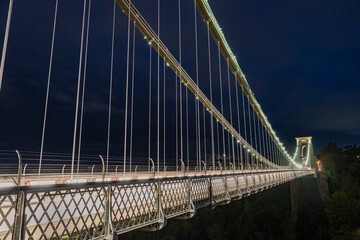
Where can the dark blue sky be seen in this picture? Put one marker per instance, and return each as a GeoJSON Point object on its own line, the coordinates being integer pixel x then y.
{"type": "Point", "coordinates": [301, 59]}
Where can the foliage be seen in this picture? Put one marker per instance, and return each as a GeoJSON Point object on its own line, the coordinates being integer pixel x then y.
{"type": "Point", "coordinates": [343, 207]}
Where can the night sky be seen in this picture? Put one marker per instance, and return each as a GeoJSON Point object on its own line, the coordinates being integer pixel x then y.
{"type": "Point", "coordinates": [301, 59]}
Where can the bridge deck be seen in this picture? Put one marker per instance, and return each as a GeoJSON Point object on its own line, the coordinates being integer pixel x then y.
{"type": "Point", "coordinates": [94, 210]}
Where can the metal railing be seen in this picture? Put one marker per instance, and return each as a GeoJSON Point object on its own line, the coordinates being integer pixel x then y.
{"type": "Point", "coordinates": [56, 169]}
{"type": "Point", "coordinates": [98, 210]}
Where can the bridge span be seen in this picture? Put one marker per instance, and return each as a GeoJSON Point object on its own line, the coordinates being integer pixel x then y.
{"type": "Point", "coordinates": [98, 210]}
{"type": "Point", "coordinates": [231, 153]}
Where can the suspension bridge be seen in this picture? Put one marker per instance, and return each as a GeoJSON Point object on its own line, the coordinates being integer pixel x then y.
{"type": "Point", "coordinates": [207, 140]}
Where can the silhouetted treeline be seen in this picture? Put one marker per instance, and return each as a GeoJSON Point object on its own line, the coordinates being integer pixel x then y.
{"type": "Point", "coordinates": [342, 166]}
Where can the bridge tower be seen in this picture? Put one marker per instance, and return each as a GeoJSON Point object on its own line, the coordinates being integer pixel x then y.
{"type": "Point", "coordinates": [305, 152]}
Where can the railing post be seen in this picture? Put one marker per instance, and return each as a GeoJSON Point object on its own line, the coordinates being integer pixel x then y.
{"type": "Point", "coordinates": [182, 166]}
{"type": "Point", "coordinates": [19, 167]}
{"type": "Point", "coordinates": [19, 220]}
{"type": "Point", "coordinates": [24, 170]}
{"type": "Point", "coordinates": [103, 167]}
{"type": "Point", "coordinates": [204, 166]}
{"type": "Point", "coordinates": [261, 182]}
{"type": "Point", "coordinates": [228, 197]}
{"type": "Point", "coordinates": [92, 171]}
{"type": "Point", "coordinates": [220, 166]}
{"type": "Point", "coordinates": [63, 170]}
{"type": "Point", "coordinates": [248, 190]}
{"type": "Point", "coordinates": [278, 178]}
{"type": "Point", "coordinates": [266, 180]}
{"type": "Point", "coordinates": [152, 167]}
{"type": "Point", "coordinates": [109, 230]}
{"type": "Point", "coordinates": [237, 185]}
{"type": "Point", "coordinates": [255, 186]}
{"type": "Point", "coordinates": [212, 199]}
{"type": "Point", "coordinates": [273, 178]}
{"type": "Point", "coordinates": [160, 213]}
{"type": "Point", "coordinates": [232, 166]}
{"type": "Point", "coordinates": [192, 209]}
